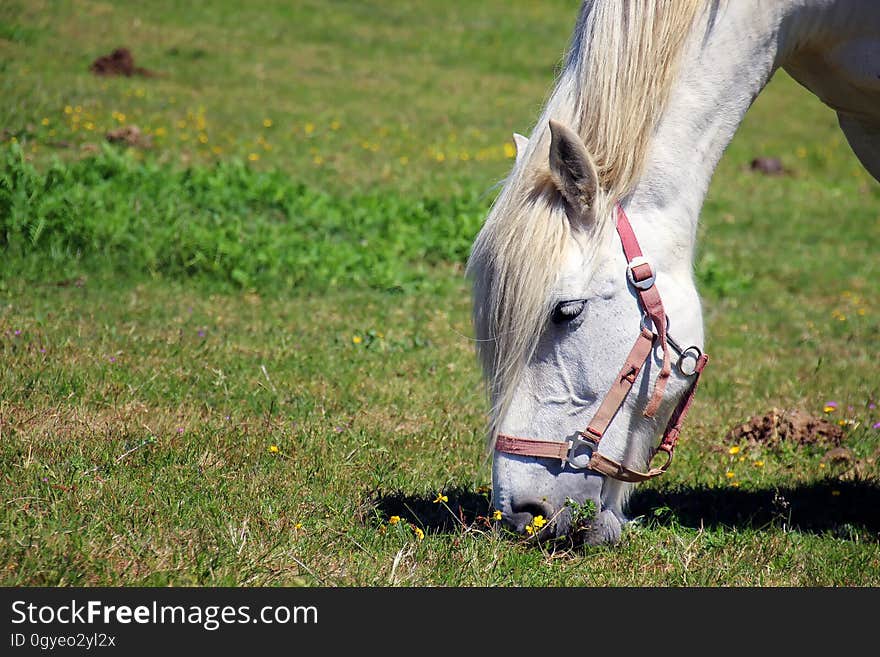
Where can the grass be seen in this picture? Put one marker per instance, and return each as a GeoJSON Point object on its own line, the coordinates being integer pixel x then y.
{"type": "Point", "coordinates": [139, 446]}
{"type": "Point", "coordinates": [419, 96]}
{"type": "Point", "coordinates": [221, 370]}
{"type": "Point", "coordinates": [227, 223]}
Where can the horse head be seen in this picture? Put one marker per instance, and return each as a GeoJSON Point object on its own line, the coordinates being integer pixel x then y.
{"type": "Point", "coordinates": [575, 340]}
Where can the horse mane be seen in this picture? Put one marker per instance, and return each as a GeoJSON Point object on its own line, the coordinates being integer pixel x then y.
{"type": "Point", "coordinates": [613, 86]}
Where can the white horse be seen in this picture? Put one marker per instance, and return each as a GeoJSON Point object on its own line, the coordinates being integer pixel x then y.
{"type": "Point", "coordinates": [568, 313]}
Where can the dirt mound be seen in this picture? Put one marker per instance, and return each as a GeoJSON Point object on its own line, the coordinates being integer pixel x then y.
{"type": "Point", "coordinates": [118, 62]}
{"type": "Point", "coordinates": [771, 166]}
{"type": "Point", "coordinates": [129, 135]}
{"type": "Point", "coordinates": [791, 426]}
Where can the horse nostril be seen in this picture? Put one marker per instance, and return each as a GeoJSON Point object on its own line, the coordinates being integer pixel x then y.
{"type": "Point", "coordinates": [525, 511]}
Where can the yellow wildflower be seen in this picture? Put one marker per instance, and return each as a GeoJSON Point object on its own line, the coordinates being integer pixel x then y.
{"type": "Point", "coordinates": [729, 474]}
{"type": "Point", "coordinates": [45, 121]}
{"type": "Point", "coordinates": [253, 157]}
{"type": "Point", "coordinates": [759, 464]}
{"type": "Point", "coordinates": [357, 339]}
{"type": "Point", "coordinates": [539, 521]}
{"type": "Point", "coordinates": [267, 123]}
{"type": "Point", "coordinates": [530, 530]}
{"type": "Point", "coordinates": [309, 128]}
{"type": "Point", "coordinates": [509, 150]}
{"type": "Point", "coordinates": [496, 515]}
{"type": "Point", "coordinates": [393, 520]}
{"type": "Point", "coordinates": [440, 498]}
{"type": "Point", "coordinates": [734, 450]}
{"type": "Point", "coordinates": [273, 449]}
{"type": "Point", "coordinates": [419, 533]}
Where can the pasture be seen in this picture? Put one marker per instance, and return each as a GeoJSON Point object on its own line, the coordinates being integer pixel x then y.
{"type": "Point", "coordinates": [238, 351]}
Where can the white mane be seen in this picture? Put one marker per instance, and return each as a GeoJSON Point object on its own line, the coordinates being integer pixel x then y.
{"type": "Point", "coordinates": [612, 90]}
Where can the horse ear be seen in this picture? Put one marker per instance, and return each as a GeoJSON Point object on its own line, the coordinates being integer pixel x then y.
{"type": "Point", "coordinates": [571, 167]}
{"type": "Point", "coordinates": [520, 142]}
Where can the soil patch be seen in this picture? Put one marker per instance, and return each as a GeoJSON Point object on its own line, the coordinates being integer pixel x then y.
{"type": "Point", "coordinates": [130, 135]}
{"type": "Point", "coordinates": [791, 426]}
{"type": "Point", "coordinates": [118, 62]}
{"type": "Point", "coordinates": [770, 166]}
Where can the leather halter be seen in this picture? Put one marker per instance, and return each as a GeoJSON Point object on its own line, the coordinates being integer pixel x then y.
{"type": "Point", "coordinates": [641, 277]}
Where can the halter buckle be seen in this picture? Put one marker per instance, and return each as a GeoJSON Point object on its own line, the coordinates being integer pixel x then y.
{"type": "Point", "coordinates": [639, 279]}
{"type": "Point", "coordinates": [573, 444]}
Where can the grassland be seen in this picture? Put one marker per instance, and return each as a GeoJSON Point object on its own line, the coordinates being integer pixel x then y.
{"type": "Point", "coordinates": [233, 357]}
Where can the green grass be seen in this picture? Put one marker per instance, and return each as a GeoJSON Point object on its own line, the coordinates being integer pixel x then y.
{"type": "Point", "coordinates": [226, 223]}
{"type": "Point", "coordinates": [421, 96]}
{"type": "Point", "coordinates": [169, 315]}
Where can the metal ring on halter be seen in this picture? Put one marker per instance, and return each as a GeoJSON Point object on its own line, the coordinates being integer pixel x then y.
{"type": "Point", "coordinates": [697, 355]}
{"type": "Point", "coordinates": [669, 454]}
{"type": "Point", "coordinates": [573, 444]}
{"type": "Point", "coordinates": [636, 262]}
{"type": "Point", "coordinates": [683, 353]}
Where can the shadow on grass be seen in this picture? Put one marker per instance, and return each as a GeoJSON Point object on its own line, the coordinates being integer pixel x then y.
{"type": "Point", "coordinates": [462, 507]}
{"type": "Point", "coordinates": [842, 508]}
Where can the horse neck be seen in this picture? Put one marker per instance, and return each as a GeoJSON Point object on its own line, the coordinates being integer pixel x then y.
{"type": "Point", "coordinates": [729, 59]}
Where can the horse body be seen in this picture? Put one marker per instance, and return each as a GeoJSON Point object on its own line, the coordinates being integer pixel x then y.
{"type": "Point", "coordinates": [557, 207]}
{"type": "Point", "coordinates": [841, 65]}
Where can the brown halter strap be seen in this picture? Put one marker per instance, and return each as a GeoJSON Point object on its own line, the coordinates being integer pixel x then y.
{"type": "Point", "coordinates": [641, 276]}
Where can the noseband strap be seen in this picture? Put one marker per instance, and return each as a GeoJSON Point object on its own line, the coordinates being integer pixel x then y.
{"type": "Point", "coordinates": [641, 275]}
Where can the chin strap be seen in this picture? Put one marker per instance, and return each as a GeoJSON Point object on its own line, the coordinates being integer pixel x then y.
{"type": "Point", "coordinates": [642, 276]}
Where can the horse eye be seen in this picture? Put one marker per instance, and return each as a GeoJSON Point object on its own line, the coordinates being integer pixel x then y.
{"type": "Point", "coordinates": [565, 311]}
